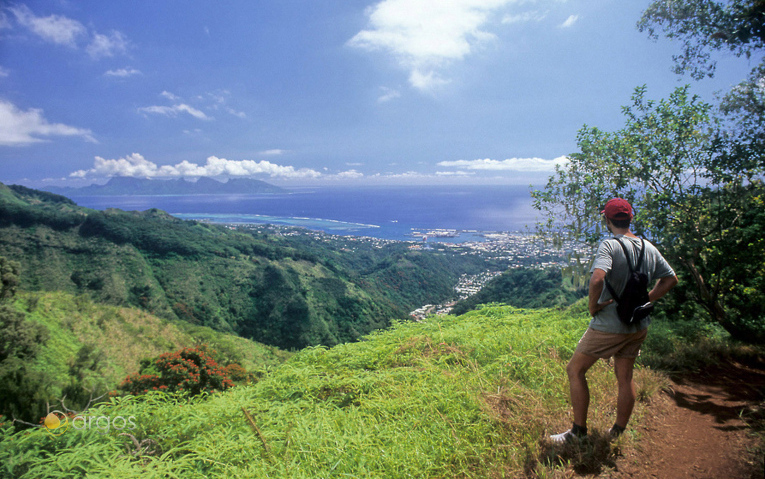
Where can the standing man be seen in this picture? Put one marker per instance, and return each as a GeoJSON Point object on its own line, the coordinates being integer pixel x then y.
{"type": "Point", "coordinates": [607, 336]}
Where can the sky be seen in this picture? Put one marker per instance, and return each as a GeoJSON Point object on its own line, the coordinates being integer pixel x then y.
{"type": "Point", "coordinates": [332, 92]}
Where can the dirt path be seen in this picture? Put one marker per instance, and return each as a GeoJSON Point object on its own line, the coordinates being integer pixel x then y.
{"type": "Point", "coordinates": [698, 430]}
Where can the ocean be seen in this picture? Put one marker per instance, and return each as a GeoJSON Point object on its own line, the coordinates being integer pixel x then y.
{"type": "Point", "coordinates": [390, 212]}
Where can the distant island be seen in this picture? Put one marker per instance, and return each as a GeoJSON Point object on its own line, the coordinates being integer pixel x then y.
{"type": "Point", "coordinates": [123, 185]}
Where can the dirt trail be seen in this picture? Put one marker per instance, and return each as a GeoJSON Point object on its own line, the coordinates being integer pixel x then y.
{"type": "Point", "coordinates": [698, 430]}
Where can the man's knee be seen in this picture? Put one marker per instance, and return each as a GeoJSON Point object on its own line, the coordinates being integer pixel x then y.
{"type": "Point", "coordinates": [623, 369]}
{"type": "Point", "coordinates": [579, 365]}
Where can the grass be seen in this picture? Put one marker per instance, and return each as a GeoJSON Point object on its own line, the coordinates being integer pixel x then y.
{"type": "Point", "coordinates": [468, 396]}
{"type": "Point", "coordinates": [121, 337]}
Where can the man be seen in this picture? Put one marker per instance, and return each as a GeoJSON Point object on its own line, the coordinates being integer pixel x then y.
{"type": "Point", "coordinates": [607, 336]}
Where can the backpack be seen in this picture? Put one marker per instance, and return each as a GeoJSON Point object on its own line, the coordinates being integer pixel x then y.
{"type": "Point", "coordinates": [633, 305]}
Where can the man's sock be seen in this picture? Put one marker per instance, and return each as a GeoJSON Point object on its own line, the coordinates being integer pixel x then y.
{"type": "Point", "coordinates": [617, 430]}
{"type": "Point", "coordinates": [578, 430]}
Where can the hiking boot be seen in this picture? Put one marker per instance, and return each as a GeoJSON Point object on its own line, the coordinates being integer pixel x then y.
{"type": "Point", "coordinates": [615, 433]}
{"type": "Point", "coordinates": [566, 437]}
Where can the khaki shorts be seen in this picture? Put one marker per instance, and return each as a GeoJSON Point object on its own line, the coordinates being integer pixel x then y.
{"type": "Point", "coordinates": [604, 345]}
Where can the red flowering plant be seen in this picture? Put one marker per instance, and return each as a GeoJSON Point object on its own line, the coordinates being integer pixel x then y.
{"type": "Point", "coordinates": [189, 371]}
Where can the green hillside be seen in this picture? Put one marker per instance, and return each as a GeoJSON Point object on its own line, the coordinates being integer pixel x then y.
{"type": "Point", "coordinates": [276, 289]}
{"type": "Point", "coordinates": [467, 396]}
{"type": "Point", "coordinates": [524, 288]}
{"type": "Point", "coordinates": [91, 347]}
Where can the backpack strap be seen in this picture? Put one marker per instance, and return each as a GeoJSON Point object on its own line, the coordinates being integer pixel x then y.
{"type": "Point", "coordinates": [642, 253]}
{"type": "Point", "coordinates": [629, 265]}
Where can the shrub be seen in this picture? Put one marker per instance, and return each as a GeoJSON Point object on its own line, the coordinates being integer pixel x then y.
{"type": "Point", "coordinates": [189, 370]}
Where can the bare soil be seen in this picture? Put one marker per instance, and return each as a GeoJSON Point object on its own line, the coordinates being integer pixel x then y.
{"type": "Point", "coordinates": [706, 425]}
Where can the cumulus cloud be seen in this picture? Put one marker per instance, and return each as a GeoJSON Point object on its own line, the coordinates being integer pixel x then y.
{"type": "Point", "coordinates": [350, 174]}
{"type": "Point", "coordinates": [62, 30]}
{"type": "Point", "coordinates": [273, 152]}
{"type": "Point", "coordinates": [175, 110]}
{"type": "Point", "coordinates": [510, 164]}
{"type": "Point", "coordinates": [55, 28]}
{"type": "Point", "coordinates": [21, 128]}
{"type": "Point", "coordinates": [388, 94]}
{"type": "Point", "coordinates": [123, 72]}
{"type": "Point", "coordinates": [525, 17]}
{"type": "Point", "coordinates": [570, 21]}
{"type": "Point", "coordinates": [107, 45]}
{"type": "Point", "coordinates": [455, 173]}
{"type": "Point", "coordinates": [170, 96]}
{"type": "Point", "coordinates": [137, 166]}
{"type": "Point", "coordinates": [426, 35]}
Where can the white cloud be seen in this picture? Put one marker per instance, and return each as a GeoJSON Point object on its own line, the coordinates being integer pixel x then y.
{"type": "Point", "coordinates": [136, 165]}
{"type": "Point", "coordinates": [55, 28]}
{"type": "Point", "coordinates": [20, 128]}
{"type": "Point", "coordinates": [455, 173]}
{"type": "Point", "coordinates": [123, 72]}
{"type": "Point", "coordinates": [238, 114]}
{"type": "Point", "coordinates": [61, 30]}
{"type": "Point", "coordinates": [426, 81]}
{"type": "Point", "coordinates": [350, 174]}
{"type": "Point", "coordinates": [169, 96]}
{"type": "Point", "coordinates": [175, 110]}
{"type": "Point", "coordinates": [533, 16]}
{"type": "Point", "coordinates": [388, 94]}
{"type": "Point", "coordinates": [426, 35]}
{"type": "Point", "coordinates": [511, 164]}
{"type": "Point", "coordinates": [107, 45]}
{"type": "Point", "coordinates": [3, 72]}
{"type": "Point", "coordinates": [570, 21]}
{"type": "Point", "coordinates": [273, 152]}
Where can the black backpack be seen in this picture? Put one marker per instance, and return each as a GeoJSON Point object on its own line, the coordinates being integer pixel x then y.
{"type": "Point", "coordinates": [633, 305]}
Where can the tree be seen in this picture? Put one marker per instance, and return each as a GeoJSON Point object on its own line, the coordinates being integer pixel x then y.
{"type": "Point", "coordinates": [737, 26]}
{"type": "Point", "coordinates": [704, 26]}
{"type": "Point", "coordinates": [665, 161]}
{"type": "Point", "coordinates": [9, 278]}
{"type": "Point", "coordinates": [189, 370]}
{"type": "Point", "coordinates": [23, 390]}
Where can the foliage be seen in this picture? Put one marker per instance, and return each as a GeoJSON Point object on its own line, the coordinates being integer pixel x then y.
{"type": "Point", "coordinates": [466, 396]}
{"type": "Point", "coordinates": [523, 288]}
{"type": "Point", "coordinates": [662, 161]}
{"type": "Point", "coordinates": [20, 343]}
{"type": "Point", "coordinates": [90, 348]}
{"type": "Point", "coordinates": [704, 25]}
{"type": "Point", "coordinates": [288, 291]}
{"type": "Point", "coordinates": [9, 278]}
{"type": "Point", "coordinates": [189, 370]}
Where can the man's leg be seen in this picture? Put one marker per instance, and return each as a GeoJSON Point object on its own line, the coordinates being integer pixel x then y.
{"type": "Point", "coordinates": [623, 368]}
{"type": "Point", "coordinates": [580, 393]}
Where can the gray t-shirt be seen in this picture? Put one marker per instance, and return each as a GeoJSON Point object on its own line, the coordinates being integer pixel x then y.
{"type": "Point", "coordinates": [610, 258]}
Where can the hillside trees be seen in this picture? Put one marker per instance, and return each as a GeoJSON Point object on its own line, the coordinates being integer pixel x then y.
{"type": "Point", "coordinates": [23, 390]}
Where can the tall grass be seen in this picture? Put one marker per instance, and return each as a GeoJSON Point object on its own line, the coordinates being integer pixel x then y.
{"type": "Point", "coordinates": [468, 396]}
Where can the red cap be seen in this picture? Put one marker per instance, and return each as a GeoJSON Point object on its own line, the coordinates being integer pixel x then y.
{"type": "Point", "coordinates": [618, 209]}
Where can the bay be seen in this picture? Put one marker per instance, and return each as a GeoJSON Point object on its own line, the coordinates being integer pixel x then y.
{"type": "Point", "coordinates": [389, 212]}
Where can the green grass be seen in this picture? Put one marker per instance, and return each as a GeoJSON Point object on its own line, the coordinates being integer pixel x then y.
{"type": "Point", "coordinates": [468, 396]}
{"type": "Point", "coordinates": [121, 337]}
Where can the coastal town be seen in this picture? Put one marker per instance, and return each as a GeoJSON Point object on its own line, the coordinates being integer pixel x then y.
{"type": "Point", "coordinates": [512, 249]}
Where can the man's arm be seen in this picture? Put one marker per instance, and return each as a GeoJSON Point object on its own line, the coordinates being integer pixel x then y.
{"type": "Point", "coordinates": [662, 287]}
{"type": "Point", "coordinates": [597, 283]}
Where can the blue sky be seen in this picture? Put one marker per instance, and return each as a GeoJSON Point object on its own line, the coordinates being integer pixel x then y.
{"type": "Point", "coordinates": [312, 93]}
